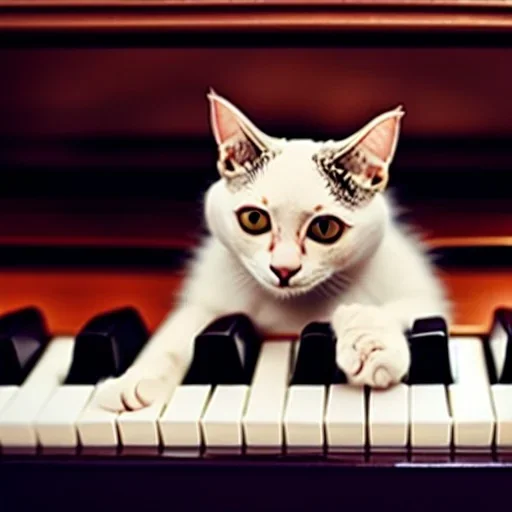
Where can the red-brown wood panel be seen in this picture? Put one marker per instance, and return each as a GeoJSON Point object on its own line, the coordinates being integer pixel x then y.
{"type": "Point", "coordinates": [70, 298]}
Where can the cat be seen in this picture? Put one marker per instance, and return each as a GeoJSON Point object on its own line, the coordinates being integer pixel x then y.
{"type": "Point", "coordinates": [299, 231]}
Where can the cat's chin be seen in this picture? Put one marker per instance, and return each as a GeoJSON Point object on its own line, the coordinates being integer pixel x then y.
{"type": "Point", "coordinates": [287, 292]}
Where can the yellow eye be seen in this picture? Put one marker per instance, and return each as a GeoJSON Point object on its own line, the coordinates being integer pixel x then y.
{"type": "Point", "coordinates": [254, 220]}
{"type": "Point", "coordinates": [326, 229]}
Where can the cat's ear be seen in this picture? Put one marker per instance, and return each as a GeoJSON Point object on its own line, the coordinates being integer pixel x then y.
{"type": "Point", "coordinates": [240, 142]}
{"type": "Point", "coordinates": [371, 150]}
{"type": "Point", "coordinates": [357, 168]}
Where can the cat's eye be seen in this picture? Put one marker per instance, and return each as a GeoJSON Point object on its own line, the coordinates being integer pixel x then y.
{"type": "Point", "coordinates": [326, 229]}
{"type": "Point", "coordinates": [254, 220]}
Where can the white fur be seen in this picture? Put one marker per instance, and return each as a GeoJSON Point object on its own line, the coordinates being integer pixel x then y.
{"type": "Point", "coordinates": [371, 284]}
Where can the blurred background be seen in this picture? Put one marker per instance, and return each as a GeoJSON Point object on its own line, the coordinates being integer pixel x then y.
{"type": "Point", "coordinates": [105, 153]}
{"type": "Point", "coordinates": [111, 122]}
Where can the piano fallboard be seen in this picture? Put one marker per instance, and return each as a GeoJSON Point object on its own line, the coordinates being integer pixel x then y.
{"type": "Point", "coordinates": [137, 483]}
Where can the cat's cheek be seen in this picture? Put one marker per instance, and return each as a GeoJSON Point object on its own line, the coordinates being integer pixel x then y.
{"type": "Point", "coordinates": [257, 258]}
{"type": "Point", "coordinates": [257, 262]}
{"type": "Point", "coordinates": [330, 257]}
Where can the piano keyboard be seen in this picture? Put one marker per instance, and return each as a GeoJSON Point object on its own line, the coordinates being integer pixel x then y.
{"type": "Point", "coordinates": [244, 396]}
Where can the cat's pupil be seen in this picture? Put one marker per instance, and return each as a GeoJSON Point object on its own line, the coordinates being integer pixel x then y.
{"type": "Point", "coordinates": [254, 217]}
{"type": "Point", "coordinates": [323, 225]}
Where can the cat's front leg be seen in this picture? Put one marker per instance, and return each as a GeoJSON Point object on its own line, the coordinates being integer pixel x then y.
{"type": "Point", "coordinates": [371, 346]}
{"type": "Point", "coordinates": [160, 367]}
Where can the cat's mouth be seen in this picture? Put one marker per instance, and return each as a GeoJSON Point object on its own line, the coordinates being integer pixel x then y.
{"type": "Point", "coordinates": [289, 290]}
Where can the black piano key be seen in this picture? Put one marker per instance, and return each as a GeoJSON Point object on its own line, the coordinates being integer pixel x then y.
{"type": "Point", "coordinates": [225, 352]}
{"type": "Point", "coordinates": [24, 335]}
{"type": "Point", "coordinates": [430, 356]}
{"type": "Point", "coordinates": [316, 358]}
{"type": "Point", "coordinates": [498, 347]}
{"type": "Point", "coordinates": [107, 345]}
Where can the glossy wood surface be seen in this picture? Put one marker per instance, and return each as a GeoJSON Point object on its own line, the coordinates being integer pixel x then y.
{"type": "Point", "coordinates": [282, 485]}
{"type": "Point", "coordinates": [70, 298]}
{"type": "Point", "coordinates": [178, 224]}
{"type": "Point", "coordinates": [476, 5]}
{"type": "Point", "coordinates": [151, 102]}
{"type": "Point", "coordinates": [255, 16]}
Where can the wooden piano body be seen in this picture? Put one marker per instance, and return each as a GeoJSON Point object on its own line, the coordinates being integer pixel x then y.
{"type": "Point", "coordinates": [105, 149]}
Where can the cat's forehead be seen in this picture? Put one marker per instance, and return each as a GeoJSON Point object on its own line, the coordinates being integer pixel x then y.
{"type": "Point", "coordinates": [292, 186]}
{"type": "Point", "coordinates": [292, 177]}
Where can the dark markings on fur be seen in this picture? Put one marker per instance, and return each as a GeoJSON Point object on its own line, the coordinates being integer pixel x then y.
{"type": "Point", "coordinates": [251, 169]}
{"type": "Point", "coordinates": [339, 174]}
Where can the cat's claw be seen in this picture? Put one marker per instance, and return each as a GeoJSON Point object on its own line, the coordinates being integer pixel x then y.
{"type": "Point", "coordinates": [371, 348]}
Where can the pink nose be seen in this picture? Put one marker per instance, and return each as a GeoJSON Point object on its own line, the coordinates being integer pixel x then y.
{"type": "Point", "coordinates": [284, 274]}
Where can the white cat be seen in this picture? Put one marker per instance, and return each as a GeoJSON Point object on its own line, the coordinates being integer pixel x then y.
{"type": "Point", "coordinates": [301, 231]}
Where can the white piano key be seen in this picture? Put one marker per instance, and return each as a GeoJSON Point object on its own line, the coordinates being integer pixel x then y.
{"type": "Point", "coordinates": [263, 418]}
{"type": "Point", "coordinates": [303, 417]}
{"type": "Point", "coordinates": [345, 417]}
{"type": "Point", "coordinates": [430, 420]}
{"type": "Point", "coordinates": [6, 394]}
{"type": "Point", "coordinates": [469, 360]}
{"type": "Point", "coordinates": [139, 428]}
{"type": "Point", "coordinates": [502, 400]}
{"type": "Point", "coordinates": [56, 423]}
{"type": "Point", "coordinates": [388, 417]}
{"type": "Point", "coordinates": [179, 423]}
{"type": "Point", "coordinates": [17, 417]}
{"type": "Point", "coordinates": [96, 426]}
{"type": "Point", "coordinates": [222, 421]}
{"type": "Point", "coordinates": [470, 396]}
{"type": "Point", "coordinates": [473, 418]}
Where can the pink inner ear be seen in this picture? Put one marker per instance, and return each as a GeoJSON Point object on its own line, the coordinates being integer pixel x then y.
{"type": "Point", "coordinates": [224, 122]}
{"type": "Point", "coordinates": [381, 140]}
{"type": "Point", "coordinates": [371, 171]}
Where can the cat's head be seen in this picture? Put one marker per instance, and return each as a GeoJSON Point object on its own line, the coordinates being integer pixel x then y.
{"type": "Point", "coordinates": [296, 212]}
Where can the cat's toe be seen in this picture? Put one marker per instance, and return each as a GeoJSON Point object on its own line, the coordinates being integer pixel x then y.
{"type": "Point", "coordinates": [382, 378]}
{"type": "Point", "coordinates": [366, 344]}
{"type": "Point", "coordinates": [386, 367]}
{"type": "Point", "coordinates": [349, 360]}
{"type": "Point", "coordinates": [150, 390]}
{"type": "Point", "coordinates": [119, 394]}
{"type": "Point", "coordinates": [372, 349]}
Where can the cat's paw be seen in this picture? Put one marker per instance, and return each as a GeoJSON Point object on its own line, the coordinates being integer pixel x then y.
{"type": "Point", "coordinates": [371, 347]}
{"type": "Point", "coordinates": [131, 391]}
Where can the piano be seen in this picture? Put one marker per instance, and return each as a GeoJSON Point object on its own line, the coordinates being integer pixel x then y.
{"type": "Point", "coordinates": [104, 152]}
